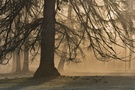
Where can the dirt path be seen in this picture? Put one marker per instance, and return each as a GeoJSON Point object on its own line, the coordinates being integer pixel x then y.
{"type": "Point", "coordinates": [70, 83]}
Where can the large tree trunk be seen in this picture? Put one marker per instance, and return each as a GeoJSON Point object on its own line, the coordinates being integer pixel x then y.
{"type": "Point", "coordinates": [46, 67]}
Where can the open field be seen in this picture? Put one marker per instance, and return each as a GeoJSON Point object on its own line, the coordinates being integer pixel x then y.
{"type": "Point", "coordinates": [99, 82]}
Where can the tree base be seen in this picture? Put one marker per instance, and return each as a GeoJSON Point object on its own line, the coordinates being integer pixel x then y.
{"type": "Point", "coordinates": [46, 72]}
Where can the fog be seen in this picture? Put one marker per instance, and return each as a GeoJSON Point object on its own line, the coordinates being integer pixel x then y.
{"type": "Point", "coordinates": [89, 65]}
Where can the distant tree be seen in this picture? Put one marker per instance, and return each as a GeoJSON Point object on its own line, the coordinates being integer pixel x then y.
{"type": "Point", "coordinates": [16, 65]}
{"type": "Point", "coordinates": [100, 25]}
{"type": "Point", "coordinates": [25, 67]}
{"type": "Point", "coordinates": [64, 50]}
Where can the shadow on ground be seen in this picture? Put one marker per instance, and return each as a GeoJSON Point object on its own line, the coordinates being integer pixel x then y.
{"type": "Point", "coordinates": [23, 83]}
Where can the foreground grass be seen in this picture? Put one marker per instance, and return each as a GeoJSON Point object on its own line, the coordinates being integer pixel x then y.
{"type": "Point", "coordinates": [70, 83]}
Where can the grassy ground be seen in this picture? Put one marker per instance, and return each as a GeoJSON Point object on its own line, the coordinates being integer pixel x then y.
{"type": "Point", "coordinates": [69, 83]}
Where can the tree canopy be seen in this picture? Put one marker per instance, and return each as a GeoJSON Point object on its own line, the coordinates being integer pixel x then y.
{"type": "Point", "coordinates": [97, 24]}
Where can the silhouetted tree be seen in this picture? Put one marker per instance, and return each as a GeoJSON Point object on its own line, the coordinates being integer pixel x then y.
{"type": "Point", "coordinates": [46, 67]}
{"type": "Point", "coordinates": [100, 25]}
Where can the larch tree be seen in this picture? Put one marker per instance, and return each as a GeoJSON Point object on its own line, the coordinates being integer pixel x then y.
{"type": "Point", "coordinates": [46, 67]}
{"type": "Point", "coordinates": [99, 23]}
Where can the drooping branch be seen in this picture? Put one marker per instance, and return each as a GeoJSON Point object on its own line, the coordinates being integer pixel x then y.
{"type": "Point", "coordinates": [99, 26]}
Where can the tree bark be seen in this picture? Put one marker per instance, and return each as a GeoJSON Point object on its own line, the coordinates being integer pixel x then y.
{"type": "Point", "coordinates": [46, 67]}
